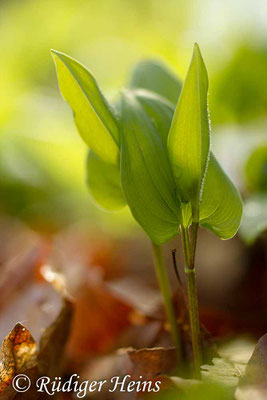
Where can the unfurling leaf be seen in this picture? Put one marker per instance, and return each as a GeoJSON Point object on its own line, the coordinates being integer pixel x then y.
{"type": "Point", "coordinates": [164, 159]}
{"type": "Point", "coordinates": [189, 137]}
{"type": "Point", "coordinates": [146, 175]}
{"type": "Point", "coordinates": [154, 76]}
{"type": "Point", "coordinates": [221, 205]}
{"type": "Point", "coordinates": [201, 182]}
{"type": "Point", "coordinates": [104, 183]}
{"type": "Point", "coordinates": [93, 116]}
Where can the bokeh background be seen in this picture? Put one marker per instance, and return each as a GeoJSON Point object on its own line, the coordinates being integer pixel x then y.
{"type": "Point", "coordinates": [46, 215]}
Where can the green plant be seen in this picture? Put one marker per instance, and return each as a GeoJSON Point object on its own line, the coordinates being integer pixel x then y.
{"type": "Point", "coordinates": [156, 158]}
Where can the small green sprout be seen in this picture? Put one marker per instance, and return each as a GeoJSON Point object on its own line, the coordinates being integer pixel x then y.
{"type": "Point", "coordinates": [154, 155]}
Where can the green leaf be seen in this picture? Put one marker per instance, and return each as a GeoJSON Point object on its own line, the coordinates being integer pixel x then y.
{"type": "Point", "coordinates": [153, 75]}
{"type": "Point", "coordinates": [254, 221]}
{"type": "Point", "coordinates": [104, 183]}
{"type": "Point", "coordinates": [146, 175]}
{"type": "Point", "coordinates": [189, 137]}
{"type": "Point", "coordinates": [93, 116]}
{"type": "Point", "coordinates": [158, 109]}
{"type": "Point", "coordinates": [221, 205]}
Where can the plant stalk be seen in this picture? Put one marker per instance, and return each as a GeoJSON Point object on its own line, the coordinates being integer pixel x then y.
{"type": "Point", "coordinates": [166, 293]}
{"type": "Point", "coordinates": [189, 256]}
{"type": "Point", "coordinates": [193, 244]}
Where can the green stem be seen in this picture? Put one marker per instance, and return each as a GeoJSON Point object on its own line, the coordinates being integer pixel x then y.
{"type": "Point", "coordinates": [167, 296]}
{"type": "Point", "coordinates": [194, 229]}
{"type": "Point", "coordinates": [189, 255]}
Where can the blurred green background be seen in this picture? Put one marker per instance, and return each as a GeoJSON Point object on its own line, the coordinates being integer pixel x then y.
{"type": "Point", "coordinates": [42, 158]}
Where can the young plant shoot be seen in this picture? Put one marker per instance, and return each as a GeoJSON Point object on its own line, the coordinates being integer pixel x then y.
{"type": "Point", "coordinates": [206, 194]}
{"type": "Point", "coordinates": [156, 159]}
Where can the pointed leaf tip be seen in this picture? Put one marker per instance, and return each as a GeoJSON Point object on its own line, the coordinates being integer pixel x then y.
{"type": "Point", "coordinates": [93, 115]}
{"type": "Point", "coordinates": [189, 136]}
{"type": "Point", "coordinates": [196, 47]}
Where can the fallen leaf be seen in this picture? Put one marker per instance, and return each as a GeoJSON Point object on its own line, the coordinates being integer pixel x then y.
{"type": "Point", "coordinates": [150, 363]}
{"type": "Point", "coordinates": [17, 355]}
{"type": "Point", "coordinates": [100, 317]}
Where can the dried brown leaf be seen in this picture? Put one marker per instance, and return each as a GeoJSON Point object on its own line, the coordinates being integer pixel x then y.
{"type": "Point", "coordinates": [18, 354]}
{"type": "Point", "coordinates": [150, 363]}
